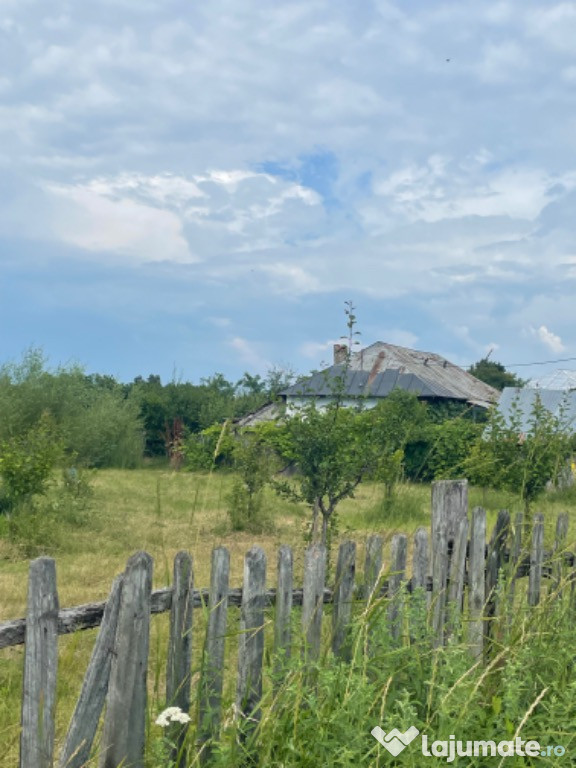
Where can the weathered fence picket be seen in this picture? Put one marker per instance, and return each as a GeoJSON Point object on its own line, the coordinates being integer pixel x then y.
{"type": "Point", "coordinates": [514, 559]}
{"type": "Point", "coordinates": [124, 729]}
{"type": "Point", "coordinates": [251, 640]}
{"type": "Point", "coordinates": [398, 554]}
{"type": "Point", "coordinates": [213, 662]}
{"type": "Point", "coordinates": [343, 598]}
{"type": "Point", "coordinates": [312, 602]}
{"type": "Point", "coordinates": [84, 722]}
{"type": "Point", "coordinates": [283, 621]}
{"type": "Point", "coordinates": [40, 666]}
{"type": "Point", "coordinates": [440, 561]}
{"type": "Point", "coordinates": [476, 581]}
{"type": "Point", "coordinates": [456, 576]}
{"type": "Point", "coordinates": [536, 560]}
{"type": "Point", "coordinates": [456, 568]}
{"type": "Point", "coordinates": [420, 561]}
{"type": "Point", "coordinates": [180, 648]}
{"type": "Point", "coordinates": [373, 564]}
{"type": "Point", "coordinates": [449, 505]}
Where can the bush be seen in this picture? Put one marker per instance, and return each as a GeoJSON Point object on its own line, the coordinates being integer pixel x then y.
{"type": "Point", "coordinates": [254, 464]}
{"type": "Point", "coordinates": [97, 423]}
{"type": "Point", "coordinates": [42, 524]}
{"type": "Point", "coordinates": [211, 448]}
{"type": "Point", "coordinates": [26, 464]}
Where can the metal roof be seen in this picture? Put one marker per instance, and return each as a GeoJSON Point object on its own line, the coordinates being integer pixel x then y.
{"type": "Point", "coordinates": [364, 384]}
{"type": "Point", "coordinates": [380, 368]}
{"type": "Point", "coordinates": [560, 403]}
{"type": "Point", "coordinates": [559, 379]}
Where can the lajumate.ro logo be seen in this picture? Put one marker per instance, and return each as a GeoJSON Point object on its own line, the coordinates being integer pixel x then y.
{"type": "Point", "coordinates": [396, 741]}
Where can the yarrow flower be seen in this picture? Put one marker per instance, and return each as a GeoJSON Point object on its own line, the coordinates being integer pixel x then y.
{"type": "Point", "coordinates": [172, 715]}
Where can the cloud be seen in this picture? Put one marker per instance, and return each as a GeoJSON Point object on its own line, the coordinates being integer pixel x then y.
{"type": "Point", "coordinates": [554, 24]}
{"type": "Point", "coordinates": [248, 354]}
{"type": "Point", "coordinates": [123, 227]}
{"type": "Point", "coordinates": [257, 158]}
{"type": "Point", "coordinates": [551, 340]}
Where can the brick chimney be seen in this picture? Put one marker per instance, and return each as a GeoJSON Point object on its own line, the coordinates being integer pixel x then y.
{"type": "Point", "coordinates": [340, 354]}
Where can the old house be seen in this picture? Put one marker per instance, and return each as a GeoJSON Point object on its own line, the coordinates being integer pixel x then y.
{"type": "Point", "coordinates": [372, 373]}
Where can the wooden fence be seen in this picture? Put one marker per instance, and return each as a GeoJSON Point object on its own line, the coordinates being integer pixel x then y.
{"type": "Point", "coordinates": [456, 569]}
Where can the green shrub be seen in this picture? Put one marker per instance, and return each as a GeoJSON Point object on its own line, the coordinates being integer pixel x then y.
{"type": "Point", "coordinates": [253, 462]}
{"type": "Point", "coordinates": [211, 448]}
{"type": "Point", "coordinates": [27, 462]}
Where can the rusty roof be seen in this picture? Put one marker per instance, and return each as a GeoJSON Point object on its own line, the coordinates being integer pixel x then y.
{"type": "Point", "coordinates": [380, 368]}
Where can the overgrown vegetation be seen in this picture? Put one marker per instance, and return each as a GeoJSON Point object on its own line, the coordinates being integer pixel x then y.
{"type": "Point", "coordinates": [524, 688]}
{"type": "Point", "coordinates": [520, 460]}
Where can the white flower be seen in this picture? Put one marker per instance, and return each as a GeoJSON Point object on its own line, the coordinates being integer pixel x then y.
{"type": "Point", "coordinates": [172, 715]}
{"type": "Point", "coordinates": [181, 717]}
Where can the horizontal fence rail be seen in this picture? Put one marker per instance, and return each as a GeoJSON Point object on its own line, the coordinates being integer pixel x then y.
{"type": "Point", "coordinates": [89, 615]}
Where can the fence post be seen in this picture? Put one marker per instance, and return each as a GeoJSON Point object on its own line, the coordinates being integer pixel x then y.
{"type": "Point", "coordinates": [457, 570]}
{"type": "Point", "coordinates": [180, 649]}
{"type": "Point", "coordinates": [536, 558]}
{"type": "Point", "coordinates": [496, 547]}
{"type": "Point", "coordinates": [449, 505]}
{"type": "Point", "coordinates": [397, 574]}
{"type": "Point", "coordinates": [420, 561]}
{"type": "Point", "coordinates": [84, 722]}
{"type": "Point", "coordinates": [313, 599]}
{"type": "Point", "coordinates": [212, 671]}
{"type": "Point", "coordinates": [477, 581]}
{"type": "Point", "coordinates": [343, 597]}
{"type": "Point", "coordinates": [439, 576]}
{"type": "Point", "coordinates": [40, 666]}
{"type": "Point", "coordinates": [251, 640]}
{"type": "Point", "coordinates": [283, 616]}
{"type": "Point", "coordinates": [123, 733]}
{"type": "Point", "coordinates": [515, 552]}
{"type": "Point", "coordinates": [372, 566]}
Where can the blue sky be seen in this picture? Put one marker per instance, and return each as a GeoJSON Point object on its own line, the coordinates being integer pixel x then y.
{"type": "Point", "coordinates": [191, 188]}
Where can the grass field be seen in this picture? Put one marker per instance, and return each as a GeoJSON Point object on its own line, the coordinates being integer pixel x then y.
{"type": "Point", "coordinates": [162, 512]}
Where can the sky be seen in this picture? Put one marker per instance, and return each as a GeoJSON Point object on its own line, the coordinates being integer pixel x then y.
{"type": "Point", "coordinates": [191, 188]}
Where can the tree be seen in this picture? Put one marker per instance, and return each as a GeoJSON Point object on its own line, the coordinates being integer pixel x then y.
{"type": "Point", "coordinates": [254, 465]}
{"type": "Point", "coordinates": [395, 422]}
{"type": "Point", "coordinates": [330, 449]}
{"type": "Point", "coordinates": [495, 374]}
{"type": "Point", "coordinates": [522, 462]}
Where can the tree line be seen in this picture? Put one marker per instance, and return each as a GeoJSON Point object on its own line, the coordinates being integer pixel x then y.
{"type": "Point", "coordinates": [67, 418]}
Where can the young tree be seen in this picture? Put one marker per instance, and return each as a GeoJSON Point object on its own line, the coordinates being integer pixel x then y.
{"type": "Point", "coordinates": [517, 460]}
{"type": "Point", "coordinates": [330, 449]}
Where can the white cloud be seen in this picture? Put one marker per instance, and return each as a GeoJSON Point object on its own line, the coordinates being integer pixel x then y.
{"type": "Point", "coordinates": [555, 24]}
{"type": "Point", "coordinates": [149, 130]}
{"type": "Point", "coordinates": [442, 189]}
{"type": "Point", "coordinates": [549, 339]}
{"type": "Point", "coordinates": [96, 223]}
{"type": "Point", "coordinates": [248, 354]}
{"type": "Point", "coordinates": [503, 62]}
{"type": "Point", "coordinates": [315, 349]}
{"type": "Point", "coordinates": [399, 336]}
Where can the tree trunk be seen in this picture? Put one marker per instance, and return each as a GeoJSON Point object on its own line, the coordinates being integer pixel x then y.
{"type": "Point", "coordinates": [315, 520]}
{"type": "Point", "coordinates": [325, 520]}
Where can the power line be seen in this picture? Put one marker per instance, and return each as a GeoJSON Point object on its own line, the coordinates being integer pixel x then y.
{"type": "Point", "coordinates": [542, 362]}
{"type": "Point", "coordinates": [445, 364]}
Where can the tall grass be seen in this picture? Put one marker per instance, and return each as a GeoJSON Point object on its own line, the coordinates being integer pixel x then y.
{"type": "Point", "coordinates": [525, 687]}
{"type": "Point", "coordinates": [386, 684]}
